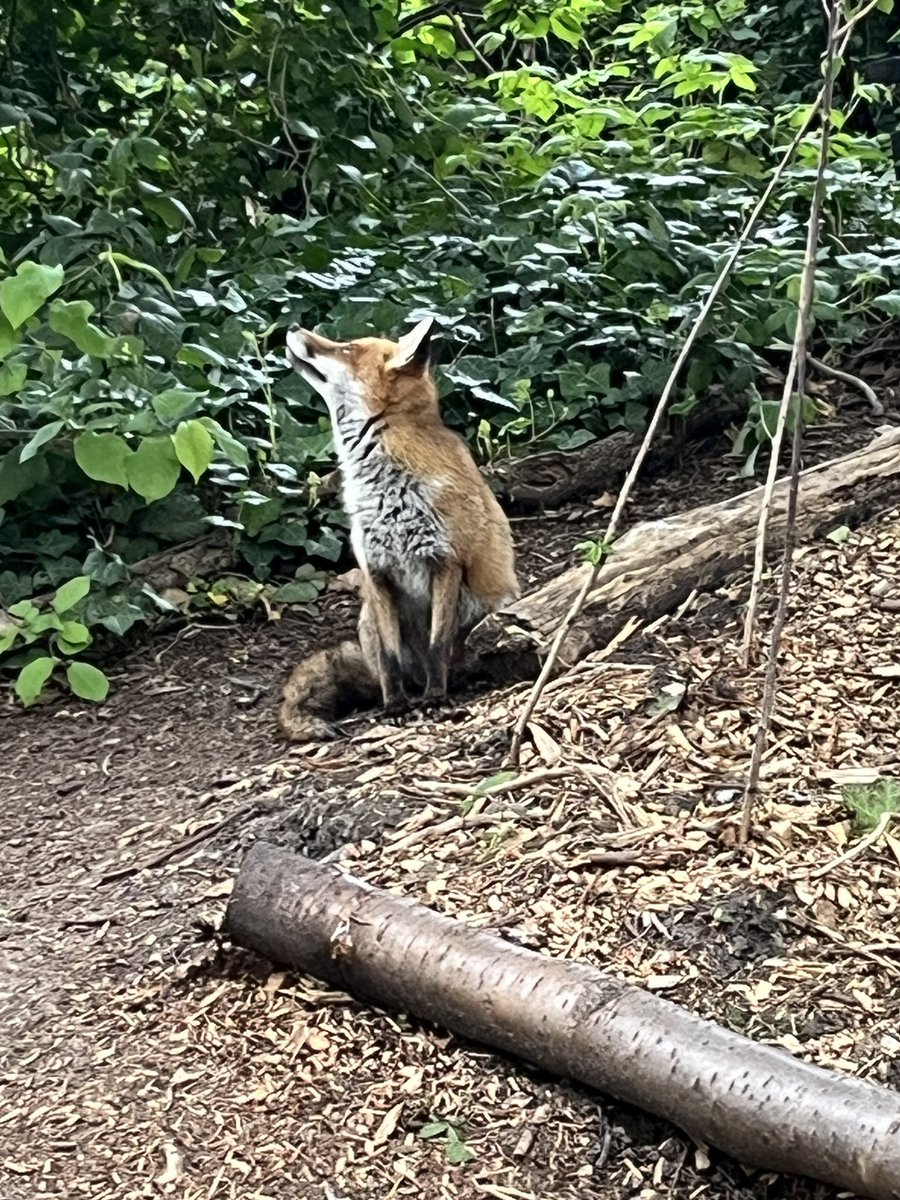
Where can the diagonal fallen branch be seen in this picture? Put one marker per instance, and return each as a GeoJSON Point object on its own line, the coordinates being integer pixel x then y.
{"type": "Point", "coordinates": [658, 564]}
{"type": "Point", "coordinates": [755, 1102]}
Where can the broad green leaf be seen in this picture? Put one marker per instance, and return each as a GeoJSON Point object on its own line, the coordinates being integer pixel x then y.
{"type": "Point", "coordinates": [171, 211]}
{"type": "Point", "coordinates": [70, 593]}
{"type": "Point", "coordinates": [105, 569]}
{"type": "Point", "coordinates": [889, 303]}
{"type": "Point", "coordinates": [566, 27]}
{"type": "Point", "coordinates": [22, 294]}
{"type": "Point", "coordinates": [8, 337]}
{"type": "Point", "coordinates": [7, 637]}
{"type": "Point", "coordinates": [87, 682]}
{"type": "Point", "coordinates": [153, 469]}
{"type": "Point", "coordinates": [297, 592]}
{"type": "Point", "coordinates": [458, 1153]}
{"type": "Point", "coordinates": [32, 677]}
{"type": "Point", "coordinates": [122, 619]}
{"type": "Point", "coordinates": [69, 649]}
{"type": "Point", "coordinates": [45, 434]}
{"type": "Point", "coordinates": [45, 621]}
{"type": "Point", "coordinates": [25, 610]}
{"type": "Point", "coordinates": [12, 376]}
{"type": "Point", "coordinates": [71, 320]}
{"type": "Point", "coordinates": [236, 452]}
{"type": "Point", "coordinates": [16, 477]}
{"type": "Point", "coordinates": [433, 1129]}
{"type": "Point", "coordinates": [200, 356]}
{"type": "Point", "coordinates": [102, 457]}
{"type": "Point", "coordinates": [194, 447]}
{"type": "Point", "coordinates": [173, 403]}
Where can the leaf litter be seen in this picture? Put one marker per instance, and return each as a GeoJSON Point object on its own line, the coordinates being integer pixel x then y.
{"type": "Point", "coordinates": [141, 1058]}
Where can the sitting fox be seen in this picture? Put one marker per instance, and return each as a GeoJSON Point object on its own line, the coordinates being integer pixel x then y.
{"type": "Point", "coordinates": [432, 543]}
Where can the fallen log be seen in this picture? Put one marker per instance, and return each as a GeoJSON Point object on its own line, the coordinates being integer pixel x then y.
{"type": "Point", "coordinates": [655, 565]}
{"type": "Point", "coordinates": [757, 1103]}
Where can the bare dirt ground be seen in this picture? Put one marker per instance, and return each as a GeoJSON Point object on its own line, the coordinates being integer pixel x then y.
{"type": "Point", "coordinates": [139, 1057]}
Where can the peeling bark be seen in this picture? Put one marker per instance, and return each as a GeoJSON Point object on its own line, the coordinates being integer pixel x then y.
{"type": "Point", "coordinates": [755, 1102]}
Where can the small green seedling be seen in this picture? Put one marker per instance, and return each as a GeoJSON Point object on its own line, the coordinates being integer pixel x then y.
{"type": "Point", "coordinates": [60, 636]}
{"type": "Point", "coordinates": [455, 1149]}
{"type": "Point", "coordinates": [870, 801]}
{"type": "Point", "coordinates": [595, 552]}
{"type": "Point", "coordinates": [484, 788]}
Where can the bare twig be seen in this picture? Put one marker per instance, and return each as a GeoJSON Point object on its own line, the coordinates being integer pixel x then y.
{"type": "Point", "coordinates": [839, 36]}
{"type": "Point", "coordinates": [796, 371]}
{"type": "Point", "coordinates": [854, 380]}
{"type": "Point", "coordinates": [529, 779]}
{"type": "Point", "coordinates": [770, 685]}
{"type": "Point", "coordinates": [467, 38]}
{"type": "Point", "coordinates": [855, 851]}
{"type": "Point", "coordinates": [644, 448]}
{"type": "Point", "coordinates": [172, 851]}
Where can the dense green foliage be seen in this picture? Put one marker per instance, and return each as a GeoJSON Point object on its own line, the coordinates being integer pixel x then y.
{"type": "Point", "coordinates": [556, 180]}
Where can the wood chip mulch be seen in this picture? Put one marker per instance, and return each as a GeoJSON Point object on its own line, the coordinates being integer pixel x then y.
{"type": "Point", "coordinates": [196, 1072]}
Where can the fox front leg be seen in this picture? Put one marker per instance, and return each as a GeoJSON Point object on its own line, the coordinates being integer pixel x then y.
{"type": "Point", "coordinates": [445, 588]}
{"type": "Point", "coordinates": [379, 637]}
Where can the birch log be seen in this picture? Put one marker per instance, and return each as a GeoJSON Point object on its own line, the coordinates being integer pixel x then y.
{"type": "Point", "coordinates": [757, 1103]}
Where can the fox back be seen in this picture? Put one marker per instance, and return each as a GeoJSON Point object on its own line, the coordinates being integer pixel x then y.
{"type": "Point", "coordinates": [433, 544]}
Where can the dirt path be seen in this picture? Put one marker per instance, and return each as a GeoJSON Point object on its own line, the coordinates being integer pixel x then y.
{"type": "Point", "coordinates": [137, 1058]}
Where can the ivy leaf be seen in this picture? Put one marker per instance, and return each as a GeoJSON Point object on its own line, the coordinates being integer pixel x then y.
{"type": "Point", "coordinates": [12, 376]}
{"type": "Point", "coordinates": [22, 294]}
{"type": "Point", "coordinates": [7, 636]}
{"type": "Point", "coordinates": [889, 303]}
{"type": "Point", "coordinates": [102, 457]}
{"type": "Point", "coordinates": [45, 434]}
{"type": "Point", "coordinates": [44, 622]}
{"type": "Point", "coordinates": [297, 592]}
{"type": "Point", "coordinates": [458, 1153]}
{"type": "Point", "coordinates": [70, 593]}
{"type": "Point", "coordinates": [87, 682]}
{"type": "Point", "coordinates": [8, 338]}
{"type": "Point", "coordinates": [432, 1129]}
{"type": "Point", "coordinates": [71, 320]}
{"type": "Point", "coordinates": [194, 447]}
{"type": "Point", "coordinates": [31, 679]}
{"type": "Point", "coordinates": [153, 469]}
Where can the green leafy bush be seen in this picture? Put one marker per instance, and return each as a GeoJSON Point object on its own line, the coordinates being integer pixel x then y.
{"type": "Point", "coordinates": [557, 182]}
{"type": "Point", "coordinates": [39, 642]}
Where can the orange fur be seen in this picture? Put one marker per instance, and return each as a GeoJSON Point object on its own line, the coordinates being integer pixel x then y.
{"type": "Point", "coordinates": [416, 455]}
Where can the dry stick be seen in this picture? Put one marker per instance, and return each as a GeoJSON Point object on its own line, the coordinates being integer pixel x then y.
{"type": "Point", "coordinates": [770, 685]}
{"type": "Point", "coordinates": [644, 448]}
{"type": "Point", "coordinates": [855, 851]}
{"type": "Point", "coordinates": [837, 43]}
{"type": "Point", "coordinates": [853, 380]}
{"type": "Point", "coordinates": [796, 371]}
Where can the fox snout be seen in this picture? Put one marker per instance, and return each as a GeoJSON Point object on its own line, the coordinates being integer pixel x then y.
{"type": "Point", "coordinates": [301, 353]}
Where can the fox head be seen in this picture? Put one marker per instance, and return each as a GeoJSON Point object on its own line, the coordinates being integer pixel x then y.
{"type": "Point", "coordinates": [369, 375]}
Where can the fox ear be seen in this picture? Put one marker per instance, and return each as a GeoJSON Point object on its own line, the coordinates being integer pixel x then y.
{"type": "Point", "coordinates": [414, 348]}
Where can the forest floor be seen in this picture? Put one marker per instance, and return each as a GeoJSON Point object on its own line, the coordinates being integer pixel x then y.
{"type": "Point", "coordinates": [138, 1057]}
